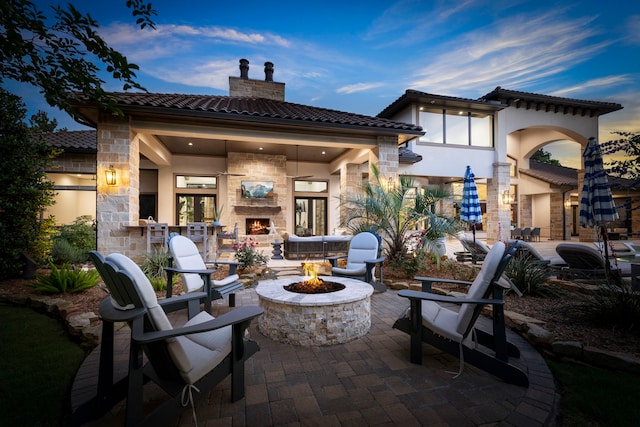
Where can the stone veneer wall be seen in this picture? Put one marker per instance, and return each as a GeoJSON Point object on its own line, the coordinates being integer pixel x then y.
{"type": "Point", "coordinates": [74, 163]}
{"type": "Point", "coordinates": [256, 88]}
{"type": "Point", "coordinates": [256, 167]}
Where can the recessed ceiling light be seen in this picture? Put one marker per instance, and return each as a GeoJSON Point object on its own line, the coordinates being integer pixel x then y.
{"type": "Point", "coordinates": [260, 148]}
{"type": "Point", "coordinates": [324, 152]}
{"type": "Point", "coordinates": [190, 143]}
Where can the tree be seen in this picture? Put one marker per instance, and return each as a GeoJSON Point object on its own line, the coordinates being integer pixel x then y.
{"type": "Point", "coordinates": [62, 56]}
{"type": "Point", "coordinates": [544, 156]}
{"type": "Point", "coordinates": [25, 189]}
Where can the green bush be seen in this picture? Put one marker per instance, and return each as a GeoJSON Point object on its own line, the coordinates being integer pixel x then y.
{"type": "Point", "coordinates": [66, 280]}
{"type": "Point", "coordinates": [63, 252]}
{"type": "Point", "coordinates": [81, 235]}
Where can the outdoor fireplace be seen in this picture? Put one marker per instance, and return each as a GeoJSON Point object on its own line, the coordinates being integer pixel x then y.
{"type": "Point", "coordinates": [257, 226]}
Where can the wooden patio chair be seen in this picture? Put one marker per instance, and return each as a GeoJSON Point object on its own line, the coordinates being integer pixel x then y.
{"type": "Point", "coordinates": [362, 258]}
{"type": "Point", "coordinates": [429, 319]}
{"type": "Point", "coordinates": [196, 276]}
{"type": "Point", "coordinates": [184, 361]}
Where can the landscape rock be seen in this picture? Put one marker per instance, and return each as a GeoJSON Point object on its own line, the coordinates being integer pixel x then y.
{"type": "Point", "coordinates": [572, 349]}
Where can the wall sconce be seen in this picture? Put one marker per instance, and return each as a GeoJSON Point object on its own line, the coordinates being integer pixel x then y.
{"type": "Point", "coordinates": [506, 198]}
{"type": "Point", "coordinates": [390, 184]}
{"type": "Point", "coordinates": [110, 175]}
{"type": "Point", "coordinates": [567, 203]}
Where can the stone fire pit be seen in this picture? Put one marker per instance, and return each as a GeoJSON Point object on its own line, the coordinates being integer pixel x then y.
{"type": "Point", "coordinates": [314, 319]}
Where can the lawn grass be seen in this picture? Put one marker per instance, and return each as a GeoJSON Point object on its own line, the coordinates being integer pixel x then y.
{"type": "Point", "coordinates": [596, 397]}
{"type": "Point", "coordinates": [38, 362]}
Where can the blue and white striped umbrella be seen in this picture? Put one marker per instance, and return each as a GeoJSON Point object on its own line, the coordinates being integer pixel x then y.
{"type": "Point", "coordinates": [470, 211]}
{"type": "Point", "coordinates": [596, 203]}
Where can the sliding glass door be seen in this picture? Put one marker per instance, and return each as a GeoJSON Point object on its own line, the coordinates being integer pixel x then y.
{"type": "Point", "coordinates": [310, 216]}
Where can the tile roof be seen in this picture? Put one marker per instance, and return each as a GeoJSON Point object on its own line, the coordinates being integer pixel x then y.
{"type": "Point", "coordinates": [552, 174]}
{"type": "Point", "coordinates": [258, 108]}
{"type": "Point", "coordinates": [568, 177]}
{"type": "Point", "coordinates": [549, 103]}
{"type": "Point", "coordinates": [79, 141]}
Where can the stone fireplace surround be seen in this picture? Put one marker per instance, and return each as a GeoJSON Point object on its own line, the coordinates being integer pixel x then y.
{"type": "Point", "coordinates": [255, 167]}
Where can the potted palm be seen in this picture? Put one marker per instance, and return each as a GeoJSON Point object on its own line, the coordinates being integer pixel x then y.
{"type": "Point", "coordinates": [217, 215]}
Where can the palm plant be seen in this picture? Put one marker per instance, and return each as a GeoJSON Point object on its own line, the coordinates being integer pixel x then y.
{"type": "Point", "coordinates": [383, 208]}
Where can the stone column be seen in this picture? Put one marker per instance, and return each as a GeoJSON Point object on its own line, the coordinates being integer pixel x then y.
{"type": "Point", "coordinates": [559, 215]}
{"type": "Point", "coordinates": [386, 157]}
{"type": "Point", "coordinates": [117, 205]}
{"type": "Point", "coordinates": [350, 183]}
{"type": "Point", "coordinates": [498, 219]}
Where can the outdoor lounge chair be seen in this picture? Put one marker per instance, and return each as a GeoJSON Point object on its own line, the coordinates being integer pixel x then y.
{"type": "Point", "coordinates": [184, 361]}
{"type": "Point", "coordinates": [428, 319]}
{"type": "Point", "coordinates": [527, 249]}
{"type": "Point", "coordinates": [473, 250]}
{"type": "Point", "coordinates": [196, 277]}
{"type": "Point", "coordinates": [586, 263]}
{"type": "Point", "coordinates": [362, 258]}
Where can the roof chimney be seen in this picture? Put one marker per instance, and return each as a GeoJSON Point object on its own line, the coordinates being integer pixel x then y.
{"type": "Point", "coordinates": [244, 69]}
{"type": "Point", "coordinates": [244, 86]}
{"type": "Point", "coordinates": [268, 71]}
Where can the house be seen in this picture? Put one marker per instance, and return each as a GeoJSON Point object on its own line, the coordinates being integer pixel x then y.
{"type": "Point", "coordinates": [177, 157]}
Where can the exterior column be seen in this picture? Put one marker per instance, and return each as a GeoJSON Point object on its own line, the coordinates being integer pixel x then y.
{"type": "Point", "coordinates": [386, 157]}
{"type": "Point", "coordinates": [498, 213]}
{"type": "Point", "coordinates": [559, 217]}
{"type": "Point", "coordinates": [117, 205]}
{"type": "Point", "coordinates": [350, 181]}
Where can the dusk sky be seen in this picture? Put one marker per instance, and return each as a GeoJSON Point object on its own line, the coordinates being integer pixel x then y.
{"type": "Point", "coordinates": [360, 56]}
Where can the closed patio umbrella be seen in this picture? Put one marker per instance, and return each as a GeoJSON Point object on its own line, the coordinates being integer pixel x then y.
{"type": "Point", "coordinates": [596, 204]}
{"type": "Point", "coordinates": [471, 211]}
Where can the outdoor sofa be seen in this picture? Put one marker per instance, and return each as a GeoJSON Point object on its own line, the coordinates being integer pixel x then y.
{"type": "Point", "coordinates": [296, 247]}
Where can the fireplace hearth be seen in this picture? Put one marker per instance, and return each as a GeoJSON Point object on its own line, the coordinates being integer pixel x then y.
{"type": "Point", "coordinates": [256, 226]}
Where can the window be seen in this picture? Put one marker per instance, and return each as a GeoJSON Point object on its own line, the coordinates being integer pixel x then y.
{"type": "Point", "coordinates": [311, 186]}
{"type": "Point", "coordinates": [186, 181]}
{"type": "Point", "coordinates": [456, 127]}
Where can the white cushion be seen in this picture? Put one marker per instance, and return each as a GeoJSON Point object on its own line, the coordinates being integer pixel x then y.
{"type": "Point", "coordinates": [186, 256]}
{"type": "Point", "coordinates": [480, 284]}
{"type": "Point", "coordinates": [229, 279]}
{"type": "Point", "coordinates": [195, 355]}
{"type": "Point", "coordinates": [145, 290]}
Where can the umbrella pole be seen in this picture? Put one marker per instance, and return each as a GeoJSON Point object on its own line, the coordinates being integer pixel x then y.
{"type": "Point", "coordinates": [473, 253]}
{"type": "Point", "coordinates": [605, 243]}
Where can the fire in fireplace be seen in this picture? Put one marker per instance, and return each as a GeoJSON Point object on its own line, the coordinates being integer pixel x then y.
{"type": "Point", "coordinates": [257, 226]}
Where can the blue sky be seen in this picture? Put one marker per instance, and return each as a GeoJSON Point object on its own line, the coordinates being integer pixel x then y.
{"type": "Point", "coordinates": [359, 56]}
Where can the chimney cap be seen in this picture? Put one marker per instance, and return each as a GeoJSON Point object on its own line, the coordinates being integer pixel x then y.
{"type": "Point", "coordinates": [244, 68]}
{"type": "Point", "coordinates": [268, 71]}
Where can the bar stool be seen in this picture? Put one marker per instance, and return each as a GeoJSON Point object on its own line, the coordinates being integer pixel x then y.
{"type": "Point", "coordinates": [197, 232]}
{"type": "Point", "coordinates": [157, 233]}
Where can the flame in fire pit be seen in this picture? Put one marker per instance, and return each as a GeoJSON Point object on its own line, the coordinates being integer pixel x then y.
{"type": "Point", "coordinates": [311, 274]}
{"type": "Point", "coordinates": [312, 283]}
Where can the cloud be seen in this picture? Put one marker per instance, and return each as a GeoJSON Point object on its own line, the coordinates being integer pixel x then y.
{"type": "Point", "coordinates": [358, 87]}
{"type": "Point", "coordinates": [633, 35]}
{"type": "Point", "coordinates": [600, 83]}
{"type": "Point", "coordinates": [514, 53]}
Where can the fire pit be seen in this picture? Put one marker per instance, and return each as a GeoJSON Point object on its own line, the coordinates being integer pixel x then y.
{"type": "Point", "coordinates": [313, 319]}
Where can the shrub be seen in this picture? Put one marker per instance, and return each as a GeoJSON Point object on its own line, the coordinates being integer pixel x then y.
{"type": "Point", "coordinates": [66, 280]}
{"type": "Point", "coordinates": [529, 275]}
{"type": "Point", "coordinates": [63, 252]}
{"type": "Point", "coordinates": [247, 253]}
{"type": "Point", "coordinates": [81, 235]}
{"type": "Point", "coordinates": [614, 306]}
{"type": "Point", "coordinates": [153, 267]}
{"type": "Point", "coordinates": [409, 263]}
